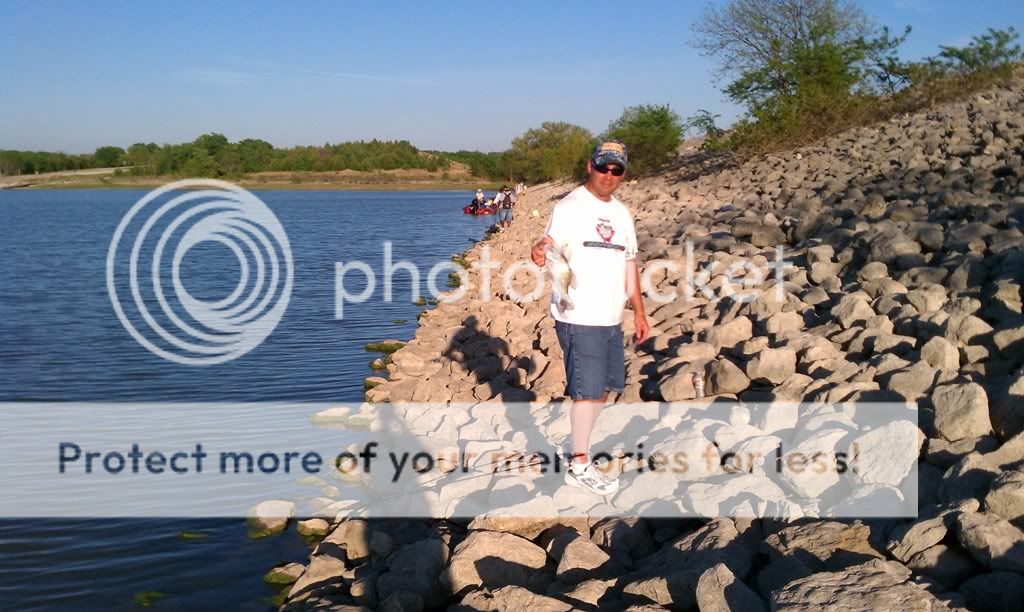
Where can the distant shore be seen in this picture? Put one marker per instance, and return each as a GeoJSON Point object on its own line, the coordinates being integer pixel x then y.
{"type": "Point", "coordinates": [346, 180]}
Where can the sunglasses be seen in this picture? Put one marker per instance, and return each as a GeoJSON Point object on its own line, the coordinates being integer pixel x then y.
{"type": "Point", "coordinates": [605, 169]}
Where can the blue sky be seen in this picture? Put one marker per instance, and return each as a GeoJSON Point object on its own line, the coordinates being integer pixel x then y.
{"type": "Point", "coordinates": [444, 75]}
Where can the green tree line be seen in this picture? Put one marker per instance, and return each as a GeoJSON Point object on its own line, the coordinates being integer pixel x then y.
{"type": "Point", "coordinates": [212, 155]}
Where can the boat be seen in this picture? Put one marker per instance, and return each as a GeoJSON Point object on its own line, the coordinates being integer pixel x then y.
{"type": "Point", "coordinates": [487, 209]}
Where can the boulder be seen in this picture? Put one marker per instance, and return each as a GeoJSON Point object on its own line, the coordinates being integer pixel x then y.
{"type": "Point", "coordinates": [730, 334]}
{"type": "Point", "coordinates": [852, 310]}
{"type": "Point", "coordinates": [414, 568]}
{"type": "Point", "coordinates": [725, 377]}
{"type": "Point", "coordinates": [970, 477]}
{"type": "Point", "coordinates": [781, 323]}
{"type": "Point", "coordinates": [961, 411]}
{"type": "Point", "coordinates": [875, 585]}
{"type": "Point", "coordinates": [271, 517]}
{"type": "Point", "coordinates": [1006, 497]}
{"type": "Point", "coordinates": [718, 590]}
{"type": "Point", "coordinates": [1006, 414]}
{"type": "Point", "coordinates": [941, 354]}
{"type": "Point", "coordinates": [949, 565]}
{"type": "Point", "coordinates": [495, 559]}
{"type": "Point", "coordinates": [772, 365]}
{"type": "Point", "coordinates": [993, 592]}
{"type": "Point", "coordinates": [823, 545]}
{"type": "Point", "coordinates": [913, 382]}
{"type": "Point", "coordinates": [510, 598]}
{"type": "Point", "coordinates": [992, 540]}
{"type": "Point", "coordinates": [928, 298]}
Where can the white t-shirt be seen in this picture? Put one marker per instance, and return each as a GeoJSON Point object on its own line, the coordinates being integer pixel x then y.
{"type": "Point", "coordinates": [601, 239]}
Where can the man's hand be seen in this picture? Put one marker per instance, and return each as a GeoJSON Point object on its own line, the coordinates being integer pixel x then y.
{"type": "Point", "coordinates": [641, 327]}
{"type": "Point", "coordinates": [537, 253]}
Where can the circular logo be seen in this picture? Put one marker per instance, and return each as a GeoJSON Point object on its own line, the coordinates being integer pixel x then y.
{"type": "Point", "coordinates": [164, 225]}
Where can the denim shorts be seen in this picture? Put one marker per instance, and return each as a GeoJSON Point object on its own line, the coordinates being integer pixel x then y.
{"type": "Point", "coordinates": [595, 360]}
{"type": "Point", "coordinates": [504, 214]}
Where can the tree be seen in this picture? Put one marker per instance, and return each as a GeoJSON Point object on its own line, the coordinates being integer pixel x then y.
{"type": "Point", "coordinates": [781, 48]}
{"type": "Point", "coordinates": [748, 36]}
{"type": "Point", "coordinates": [554, 150]}
{"type": "Point", "coordinates": [651, 134]}
{"type": "Point", "coordinates": [212, 143]}
{"type": "Point", "coordinates": [882, 65]}
{"type": "Point", "coordinates": [109, 156]}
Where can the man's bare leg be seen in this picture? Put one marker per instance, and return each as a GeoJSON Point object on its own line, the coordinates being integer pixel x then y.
{"type": "Point", "coordinates": [582, 417]}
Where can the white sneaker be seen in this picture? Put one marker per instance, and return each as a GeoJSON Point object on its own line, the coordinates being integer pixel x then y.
{"type": "Point", "coordinates": [593, 480]}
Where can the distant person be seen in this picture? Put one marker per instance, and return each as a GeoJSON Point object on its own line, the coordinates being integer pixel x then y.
{"type": "Point", "coordinates": [505, 200]}
{"type": "Point", "coordinates": [520, 189]}
{"type": "Point", "coordinates": [477, 202]}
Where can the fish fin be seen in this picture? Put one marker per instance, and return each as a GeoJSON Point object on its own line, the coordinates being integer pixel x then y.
{"type": "Point", "coordinates": [572, 279]}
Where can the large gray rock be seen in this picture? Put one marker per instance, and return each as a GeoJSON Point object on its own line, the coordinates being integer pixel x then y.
{"type": "Point", "coordinates": [580, 559]}
{"type": "Point", "coordinates": [1006, 498]}
{"type": "Point", "coordinates": [626, 539]}
{"type": "Point", "coordinates": [992, 540]}
{"type": "Point", "coordinates": [913, 382]}
{"type": "Point", "coordinates": [781, 323]}
{"type": "Point", "coordinates": [271, 517]}
{"type": "Point", "coordinates": [949, 565]}
{"type": "Point", "coordinates": [772, 365]}
{"type": "Point", "coordinates": [678, 386]}
{"type": "Point", "coordinates": [875, 585]}
{"type": "Point", "coordinates": [966, 329]}
{"type": "Point", "coordinates": [929, 529]}
{"type": "Point", "coordinates": [852, 310]}
{"type": "Point", "coordinates": [670, 576]}
{"type": "Point", "coordinates": [961, 411]}
{"type": "Point", "coordinates": [719, 591]}
{"type": "Point", "coordinates": [928, 298]}
{"type": "Point", "coordinates": [941, 354]}
{"type": "Point", "coordinates": [495, 559]}
{"type": "Point", "coordinates": [414, 568]}
{"type": "Point", "coordinates": [970, 477]}
{"type": "Point", "coordinates": [823, 545]}
{"type": "Point", "coordinates": [994, 592]}
{"type": "Point", "coordinates": [730, 334]}
{"type": "Point", "coordinates": [1006, 413]}
{"type": "Point", "coordinates": [510, 598]}
{"type": "Point", "coordinates": [724, 377]}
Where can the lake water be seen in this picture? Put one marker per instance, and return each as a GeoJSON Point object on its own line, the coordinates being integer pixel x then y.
{"type": "Point", "coordinates": [60, 340]}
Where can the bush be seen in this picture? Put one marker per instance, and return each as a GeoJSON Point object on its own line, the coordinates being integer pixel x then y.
{"type": "Point", "coordinates": [990, 52]}
{"type": "Point", "coordinates": [651, 134]}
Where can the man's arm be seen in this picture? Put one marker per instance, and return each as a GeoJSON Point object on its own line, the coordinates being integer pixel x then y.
{"type": "Point", "coordinates": [636, 300]}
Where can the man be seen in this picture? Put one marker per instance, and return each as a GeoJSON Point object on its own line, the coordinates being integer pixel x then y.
{"type": "Point", "coordinates": [477, 202]}
{"type": "Point", "coordinates": [504, 201]}
{"type": "Point", "coordinates": [598, 231]}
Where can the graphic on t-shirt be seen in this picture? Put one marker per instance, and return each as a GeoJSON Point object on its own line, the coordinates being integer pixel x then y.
{"type": "Point", "coordinates": [605, 230]}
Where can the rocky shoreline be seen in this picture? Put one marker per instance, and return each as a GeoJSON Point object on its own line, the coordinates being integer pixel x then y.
{"type": "Point", "coordinates": [906, 256]}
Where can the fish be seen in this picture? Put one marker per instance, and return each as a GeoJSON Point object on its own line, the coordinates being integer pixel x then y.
{"type": "Point", "coordinates": [561, 276]}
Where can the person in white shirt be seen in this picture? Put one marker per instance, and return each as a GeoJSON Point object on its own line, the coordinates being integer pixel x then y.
{"type": "Point", "coordinates": [595, 231]}
{"type": "Point", "coordinates": [504, 201]}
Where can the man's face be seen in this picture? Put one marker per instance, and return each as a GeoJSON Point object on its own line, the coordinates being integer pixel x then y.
{"type": "Point", "coordinates": [603, 184]}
